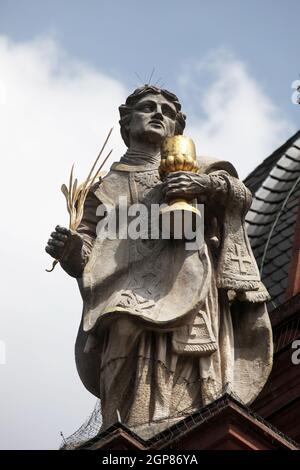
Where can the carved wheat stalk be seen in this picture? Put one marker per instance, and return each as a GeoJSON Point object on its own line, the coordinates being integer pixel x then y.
{"type": "Point", "coordinates": [76, 193]}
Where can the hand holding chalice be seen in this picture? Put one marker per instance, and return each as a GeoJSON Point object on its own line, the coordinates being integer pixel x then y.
{"type": "Point", "coordinates": [178, 153]}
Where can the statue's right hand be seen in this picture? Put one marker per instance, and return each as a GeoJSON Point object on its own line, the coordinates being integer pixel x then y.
{"type": "Point", "coordinates": [59, 241]}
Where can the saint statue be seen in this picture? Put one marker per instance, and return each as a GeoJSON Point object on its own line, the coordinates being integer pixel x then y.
{"type": "Point", "coordinates": [166, 330]}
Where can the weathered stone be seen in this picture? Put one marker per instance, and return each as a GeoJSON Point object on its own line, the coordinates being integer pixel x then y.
{"type": "Point", "coordinates": [166, 329]}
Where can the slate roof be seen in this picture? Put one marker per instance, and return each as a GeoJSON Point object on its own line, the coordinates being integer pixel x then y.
{"type": "Point", "coordinates": [275, 185]}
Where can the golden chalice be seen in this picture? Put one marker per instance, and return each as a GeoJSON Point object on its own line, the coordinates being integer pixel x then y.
{"type": "Point", "coordinates": [178, 153]}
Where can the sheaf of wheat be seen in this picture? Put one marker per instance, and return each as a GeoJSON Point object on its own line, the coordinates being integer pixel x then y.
{"type": "Point", "coordinates": [76, 193]}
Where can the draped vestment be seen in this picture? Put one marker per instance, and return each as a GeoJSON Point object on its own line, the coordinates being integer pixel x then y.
{"type": "Point", "coordinates": [164, 329]}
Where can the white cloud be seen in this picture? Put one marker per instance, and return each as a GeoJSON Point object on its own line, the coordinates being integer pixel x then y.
{"type": "Point", "coordinates": [238, 120]}
{"type": "Point", "coordinates": [54, 111]}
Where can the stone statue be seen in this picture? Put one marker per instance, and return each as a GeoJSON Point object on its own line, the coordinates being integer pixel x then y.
{"type": "Point", "coordinates": [164, 330]}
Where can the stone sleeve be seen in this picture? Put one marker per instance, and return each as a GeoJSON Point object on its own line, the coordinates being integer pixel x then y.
{"type": "Point", "coordinates": [221, 189]}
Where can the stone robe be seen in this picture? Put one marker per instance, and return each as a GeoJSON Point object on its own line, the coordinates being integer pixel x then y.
{"type": "Point", "coordinates": [165, 329]}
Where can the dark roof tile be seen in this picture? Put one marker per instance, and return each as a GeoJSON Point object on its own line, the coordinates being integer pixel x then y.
{"type": "Point", "coordinates": [271, 219]}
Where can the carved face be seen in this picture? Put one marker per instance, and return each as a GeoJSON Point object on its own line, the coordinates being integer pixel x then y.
{"type": "Point", "coordinates": [153, 118]}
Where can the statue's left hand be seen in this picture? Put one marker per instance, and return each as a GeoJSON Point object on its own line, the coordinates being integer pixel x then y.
{"type": "Point", "coordinates": [187, 185]}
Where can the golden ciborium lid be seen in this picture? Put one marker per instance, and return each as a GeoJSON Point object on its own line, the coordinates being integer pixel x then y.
{"type": "Point", "coordinates": [178, 153]}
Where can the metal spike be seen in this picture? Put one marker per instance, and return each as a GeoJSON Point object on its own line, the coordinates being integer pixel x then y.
{"type": "Point", "coordinates": [139, 78]}
{"type": "Point", "coordinates": [151, 75]}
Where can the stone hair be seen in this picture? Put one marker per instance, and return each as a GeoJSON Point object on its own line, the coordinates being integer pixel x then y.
{"type": "Point", "coordinates": [126, 109]}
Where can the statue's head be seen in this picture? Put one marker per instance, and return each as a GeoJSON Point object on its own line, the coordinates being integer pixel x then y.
{"type": "Point", "coordinates": [151, 114]}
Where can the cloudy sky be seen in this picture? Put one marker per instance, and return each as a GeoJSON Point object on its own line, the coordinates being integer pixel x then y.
{"type": "Point", "coordinates": [65, 66]}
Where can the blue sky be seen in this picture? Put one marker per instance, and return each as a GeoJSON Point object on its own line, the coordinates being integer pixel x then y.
{"type": "Point", "coordinates": [123, 37]}
{"type": "Point", "coordinates": [65, 67]}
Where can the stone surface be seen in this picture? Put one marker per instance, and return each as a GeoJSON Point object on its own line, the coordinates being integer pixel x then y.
{"type": "Point", "coordinates": [166, 329]}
